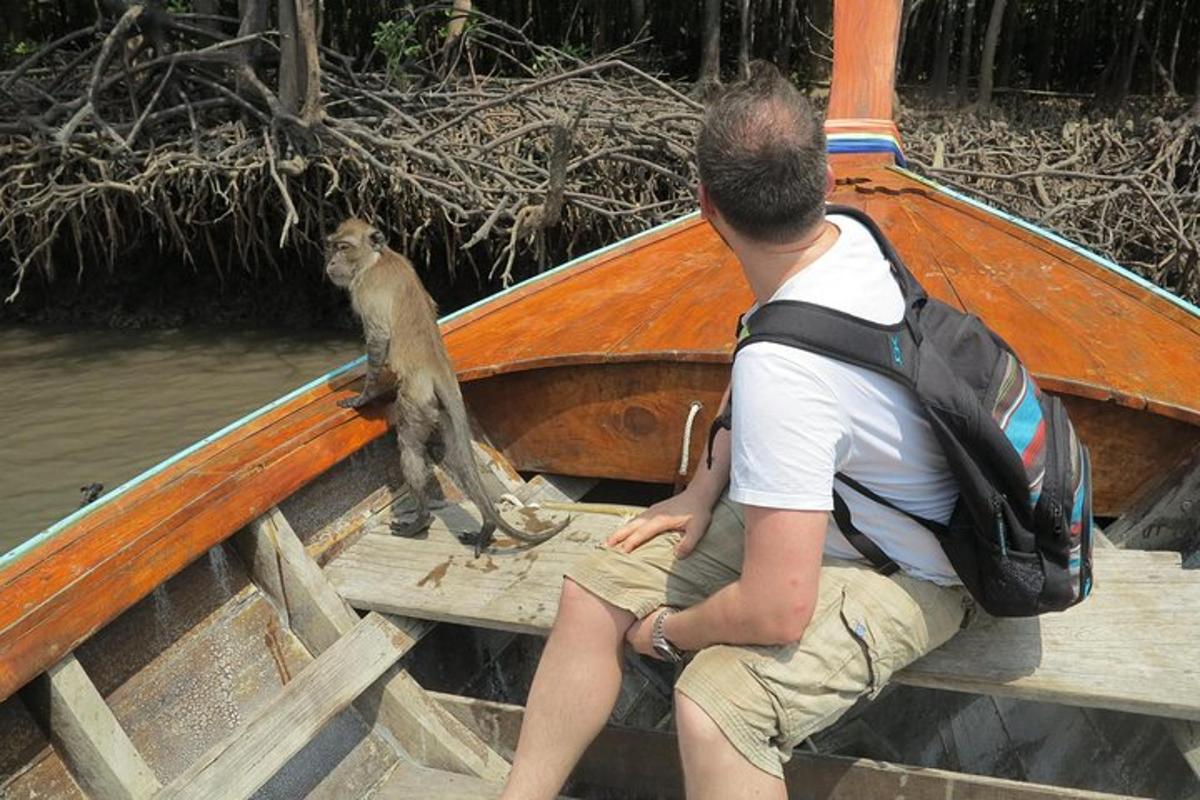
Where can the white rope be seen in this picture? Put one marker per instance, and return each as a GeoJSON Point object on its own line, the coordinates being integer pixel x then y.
{"type": "Point", "coordinates": [685, 456]}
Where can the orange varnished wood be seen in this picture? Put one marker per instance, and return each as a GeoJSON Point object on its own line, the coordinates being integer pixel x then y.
{"type": "Point", "coordinates": [1130, 449]}
{"type": "Point", "coordinates": [61, 593]}
{"type": "Point", "coordinates": [864, 59]}
{"type": "Point", "coordinates": [626, 421]}
{"type": "Point", "coordinates": [603, 420]}
{"type": "Point", "coordinates": [589, 318]}
{"type": "Point", "coordinates": [1083, 329]}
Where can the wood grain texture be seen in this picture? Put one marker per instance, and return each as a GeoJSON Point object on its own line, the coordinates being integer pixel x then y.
{"type": "Point", "coordinates": [53, 605]}
{"type": "Point", "coordinates": [238, 766]}
{"type": "Point", "coordinates": [1130, 647]}
{"type": "Point", "coordinates": [320, 617]}
{"type": "Point", "coordinates": [91, 741]}
{"type": "Point", "coordinates": [632, 760]}
{"type": "Point", "coordinates": [1168, 515]}
{"type": "Point", "coordinates": [865, 36]}
{"type": "Point", "coordinates": [603, 421]}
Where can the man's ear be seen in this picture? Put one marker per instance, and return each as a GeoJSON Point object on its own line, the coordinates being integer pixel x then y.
{"type": "Point", "coordinates": [830, 182]}
{"type": "Point", "coordinates": [707, 209]}
{"type": "Point", "coordinates": [375, 237]}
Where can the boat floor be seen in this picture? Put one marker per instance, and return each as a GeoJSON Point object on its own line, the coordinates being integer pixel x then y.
{"type": "Point", "coordinates": [248, 674]}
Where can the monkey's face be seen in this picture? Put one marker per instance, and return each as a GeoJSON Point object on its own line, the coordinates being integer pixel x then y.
{"type": "Point", "coordinates": [353, 247]}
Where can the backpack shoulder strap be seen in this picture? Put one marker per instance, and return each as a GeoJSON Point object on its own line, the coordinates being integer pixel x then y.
{"type": "Point", "coordinates": [887, 349]}
{"type": "Point", "coordinates": [909, 285]}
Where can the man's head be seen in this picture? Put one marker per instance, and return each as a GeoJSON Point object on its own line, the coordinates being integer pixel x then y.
{"type": "Point", "coordinates": [761, 153]}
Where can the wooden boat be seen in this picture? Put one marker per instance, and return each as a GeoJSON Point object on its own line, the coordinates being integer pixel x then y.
{"type": "Point", "coordinates": [237, 622]}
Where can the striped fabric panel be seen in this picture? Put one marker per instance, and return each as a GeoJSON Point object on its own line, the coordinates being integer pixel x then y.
{"type": "Point", "coordinates": [1018, 412]}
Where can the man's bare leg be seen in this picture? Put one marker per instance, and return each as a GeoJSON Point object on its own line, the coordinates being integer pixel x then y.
{"type": "Point", "coordinates": [573, 693]}
{"type": "Point", "coordinates": [713, 769]}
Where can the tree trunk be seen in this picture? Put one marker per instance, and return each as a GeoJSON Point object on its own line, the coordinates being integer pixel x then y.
{"type": "Point", "coordinates": [746, 21]}
{"type": "Point", "coordinates": [459, 11]}
{"type": "Point", "coordinates": [309, 27]}
{"type": "Point", "coordinates": [600, 21]}
{"type": "Point", "coordinates": [783, 56]}
{"type": "Point", "coordinates": [945, 44]}
{"type": "Point", "coordinates": [211, 7]}
{"type": "Point", "coordinates": [1008, 42]}
{"type": "Point", "coordinates": [1183, 19]}
{"type": "Point", "coordinates": [637, 15]}
{"type": "Point", "coordinates": [1135, 41]}
{"type": "Point", "coordinates": [1046, 19]}
{"type": "Point", "coordinates": [988, 61]}
{"type": "Point", "coordinates": [966, 55]}
{"type": "Point", "coordinates": [906, 17]}
{"type": "Point", "coordinates": [14, 14]}
{"type": "Point", "coordinates": [299, 68]}
{"type": "Point", "coordinates": [710, 45]}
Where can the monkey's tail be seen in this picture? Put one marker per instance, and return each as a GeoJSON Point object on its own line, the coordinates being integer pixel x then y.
{"type": "Point", "coordinates": [461, 458]}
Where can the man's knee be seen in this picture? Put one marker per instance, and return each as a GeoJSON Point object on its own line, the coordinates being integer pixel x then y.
{"type": "Point", "coordinates": [693, 724]}
{"type": "Point", "coordinates": [583, 611]}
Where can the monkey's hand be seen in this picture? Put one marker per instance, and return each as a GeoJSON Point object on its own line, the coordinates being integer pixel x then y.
{"type": "Point", "coordinates": [369, 394]}
{"type": "Point", "coordinates": [357, 401]}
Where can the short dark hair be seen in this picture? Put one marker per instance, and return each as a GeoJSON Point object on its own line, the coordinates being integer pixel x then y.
{"type": "Point", "coordinates": [761, 153]}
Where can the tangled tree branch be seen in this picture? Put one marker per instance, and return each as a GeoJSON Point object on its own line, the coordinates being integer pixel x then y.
{"type": "Point", "coordinates": [1128, 189]}
{"type": "Point", "coordinates": [487, 164]}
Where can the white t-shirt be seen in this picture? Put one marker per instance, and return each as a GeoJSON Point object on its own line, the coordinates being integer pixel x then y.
{"type": "Point", "coordinates": [799, 417]}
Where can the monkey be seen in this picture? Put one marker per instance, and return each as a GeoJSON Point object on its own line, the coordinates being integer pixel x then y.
{"type": "Point", "coordinates": [405, 352]}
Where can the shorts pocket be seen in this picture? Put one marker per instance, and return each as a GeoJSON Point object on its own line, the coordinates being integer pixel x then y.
{"type": "Point", "coordinates": [863, 623]}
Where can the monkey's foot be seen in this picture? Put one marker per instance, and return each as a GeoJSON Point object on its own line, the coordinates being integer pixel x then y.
{"type": "Point", "coordinates": [410, 528]}
{"type": "Point", "coordinates": [483, 539]}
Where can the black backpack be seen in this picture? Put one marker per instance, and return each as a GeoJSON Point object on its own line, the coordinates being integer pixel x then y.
{"type": "Point", "coordinates": [1020, 536]}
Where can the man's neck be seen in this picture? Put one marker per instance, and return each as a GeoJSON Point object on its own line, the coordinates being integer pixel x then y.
{"type": "Point", "coordinates": [769, 266]}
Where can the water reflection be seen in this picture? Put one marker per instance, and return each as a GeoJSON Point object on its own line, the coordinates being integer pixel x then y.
{"type": "Point", "coordinates": [79, 407]}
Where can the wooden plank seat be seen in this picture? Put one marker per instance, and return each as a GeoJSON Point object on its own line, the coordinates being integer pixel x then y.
{"type": "Point", "coordinates": [1130, 647]}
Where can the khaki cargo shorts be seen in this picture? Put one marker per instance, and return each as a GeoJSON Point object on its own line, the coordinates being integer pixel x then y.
{"type": "Point", "coordinates": [768, 699]}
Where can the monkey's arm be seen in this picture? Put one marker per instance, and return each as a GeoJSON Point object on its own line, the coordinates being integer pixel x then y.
{"type": "Point", "coordinates": [373, 387]}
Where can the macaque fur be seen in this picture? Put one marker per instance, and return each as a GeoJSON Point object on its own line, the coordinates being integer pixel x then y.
{"type": "Point", "coordinates": [405, 351]}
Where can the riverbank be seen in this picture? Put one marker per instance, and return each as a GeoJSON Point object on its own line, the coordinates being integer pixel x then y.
{"type": "Point", "coordinates": [1123, 183]}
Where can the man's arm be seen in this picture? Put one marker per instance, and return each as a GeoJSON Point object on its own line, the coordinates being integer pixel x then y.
{"type": "Point", "coordinates": [689, 511]}
{"type": "Point", "coordinates": [773, 600]}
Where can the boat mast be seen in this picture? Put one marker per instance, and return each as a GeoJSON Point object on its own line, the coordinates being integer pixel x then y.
{"type": "Point", "coordinates": [859, 119]}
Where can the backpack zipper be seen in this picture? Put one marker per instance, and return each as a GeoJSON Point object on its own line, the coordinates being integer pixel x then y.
{"type": "Point", "coordinates": [1001, 532]}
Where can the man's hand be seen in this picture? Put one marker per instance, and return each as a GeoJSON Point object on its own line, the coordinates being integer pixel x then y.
{"type": "Point", "coordinates": [640, 635]}
{"type": "Point", "coordinates": [684, 512]}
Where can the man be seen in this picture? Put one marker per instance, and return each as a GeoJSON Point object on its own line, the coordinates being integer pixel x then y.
{"type": "Point", "coordinates": [785, 624]}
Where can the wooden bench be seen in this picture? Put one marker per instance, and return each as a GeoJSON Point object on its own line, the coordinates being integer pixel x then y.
{"type": "Point", "coordinates": [1130, 647]}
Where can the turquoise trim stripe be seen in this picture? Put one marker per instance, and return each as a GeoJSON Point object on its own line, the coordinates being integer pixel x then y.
{"type": "Point", "coordinates": [1054, 237]}
{"type": "Point", "coordinates": [108, 497]}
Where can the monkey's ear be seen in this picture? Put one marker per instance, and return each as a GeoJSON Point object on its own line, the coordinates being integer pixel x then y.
{"type": "Point", "coordinates": [375, 237]}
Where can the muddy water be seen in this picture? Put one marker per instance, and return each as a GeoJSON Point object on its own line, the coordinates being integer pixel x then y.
{"type": "Point", "coordinates": [100, 407]}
